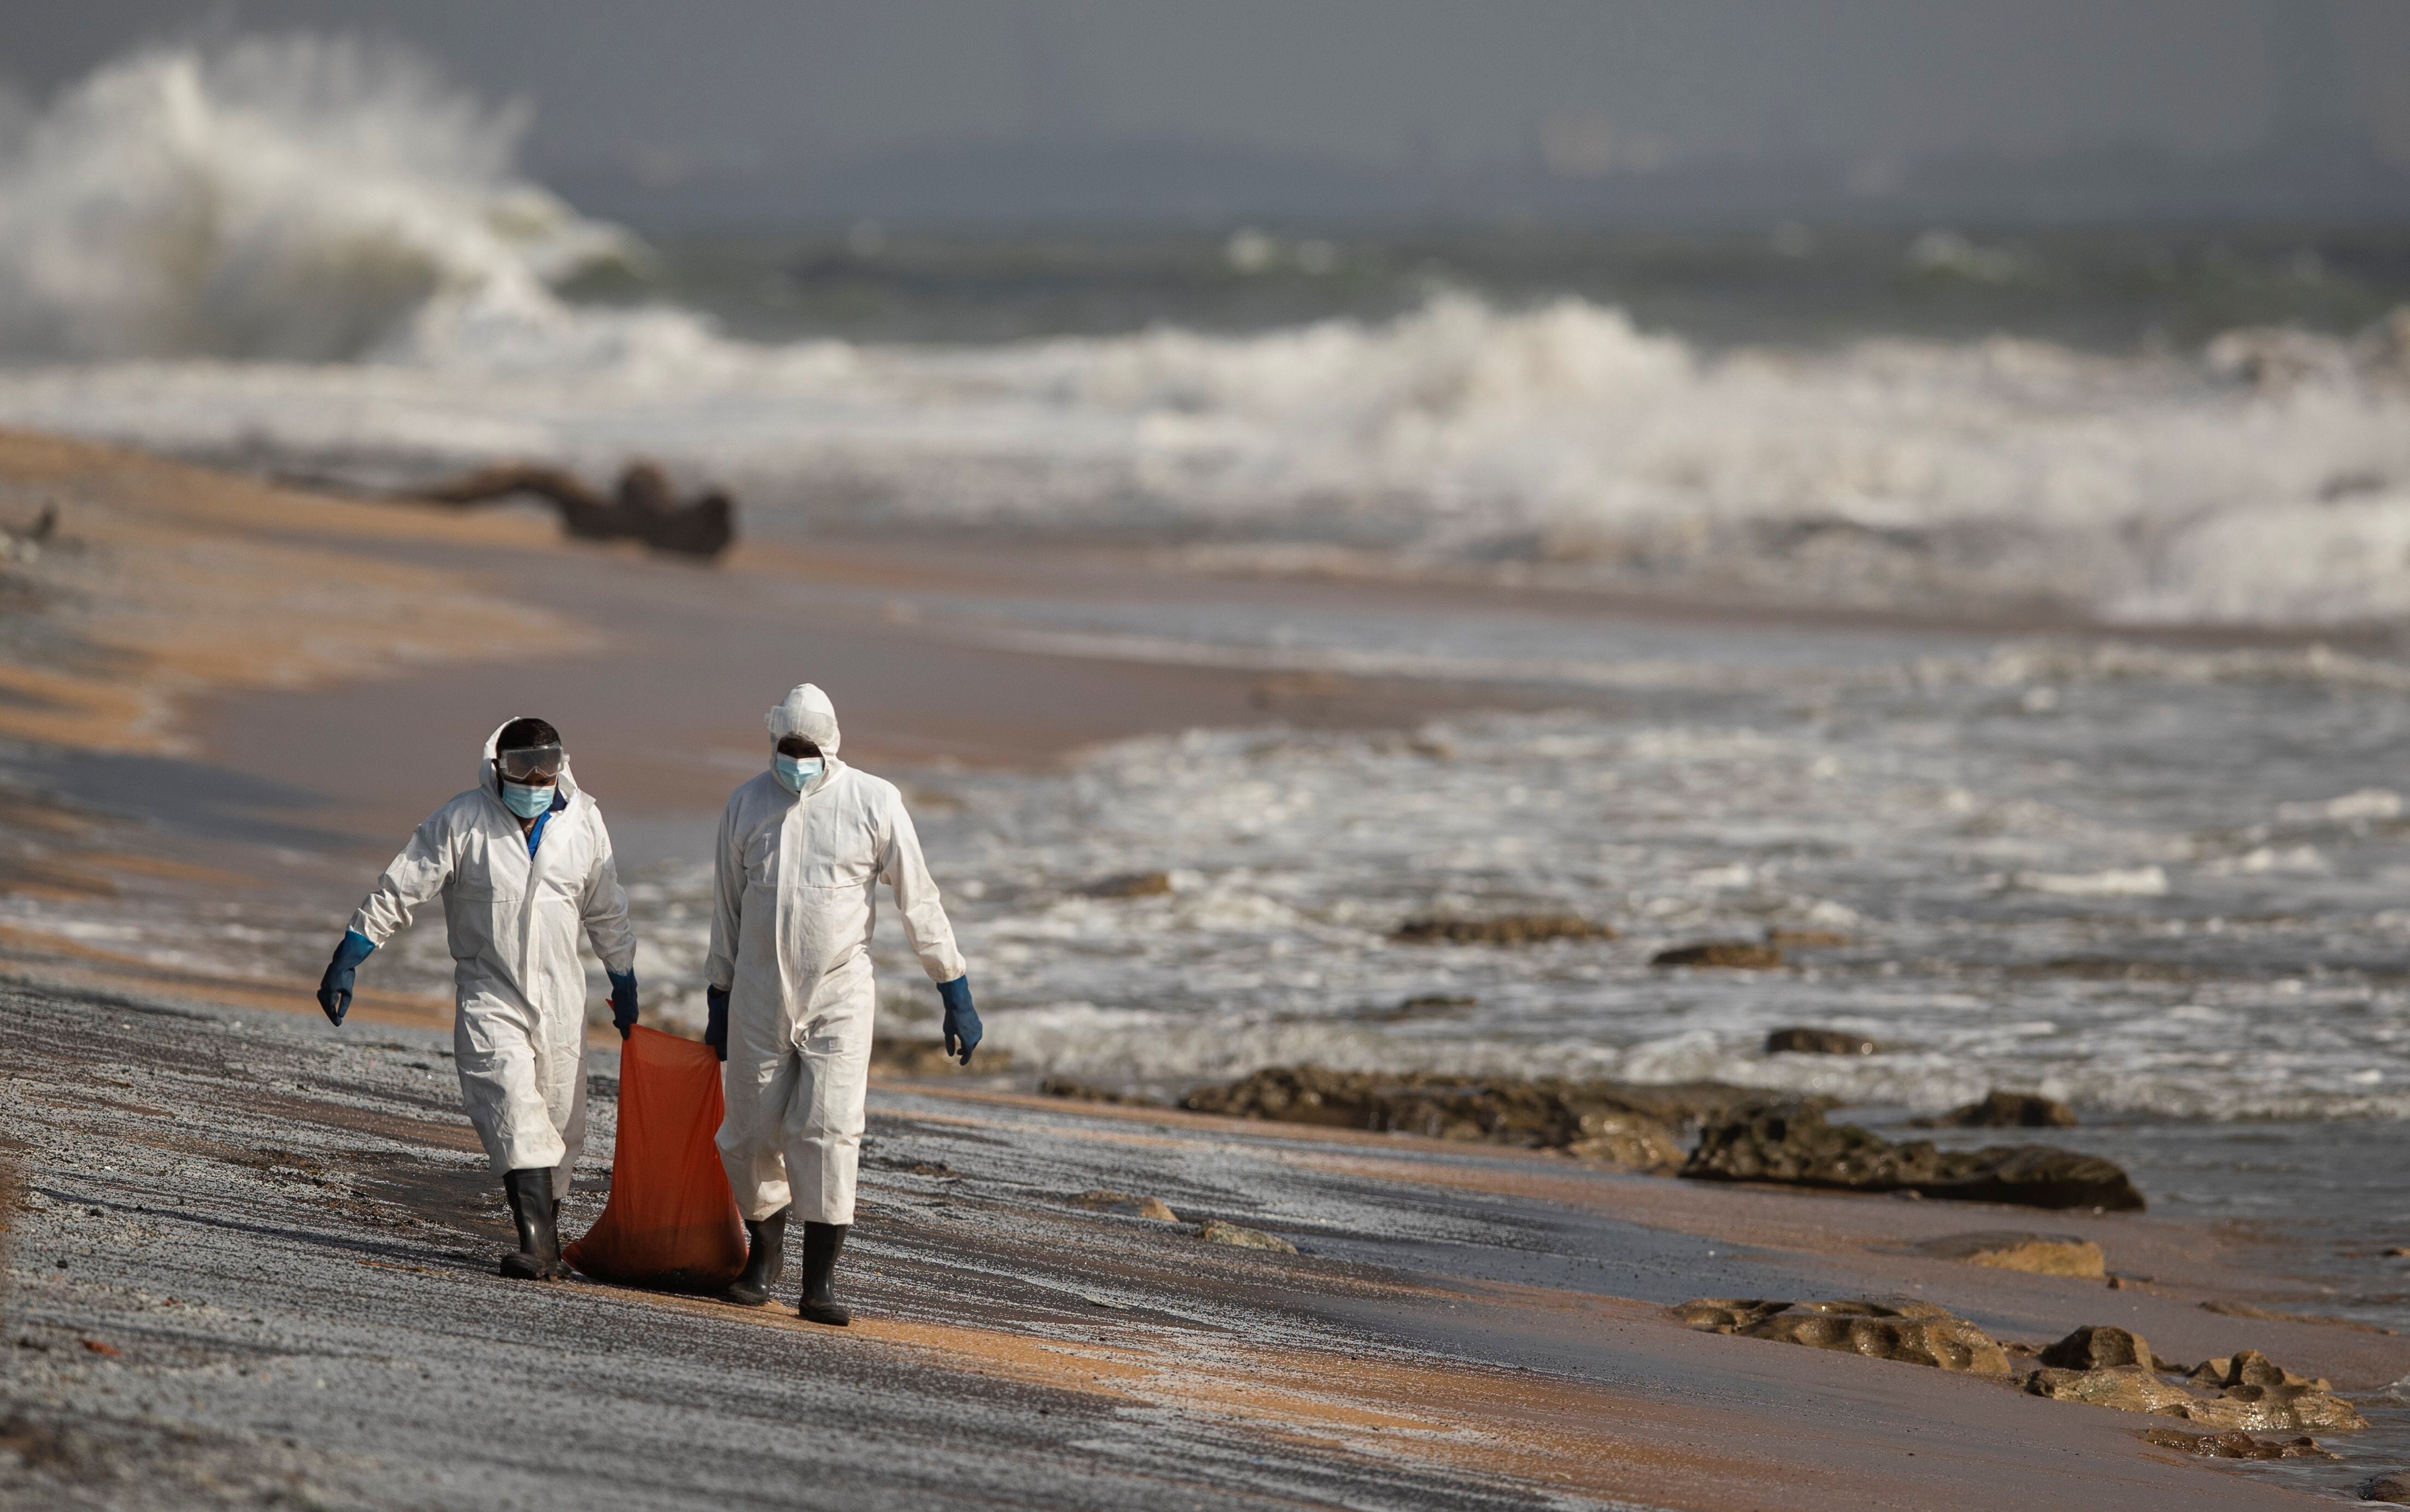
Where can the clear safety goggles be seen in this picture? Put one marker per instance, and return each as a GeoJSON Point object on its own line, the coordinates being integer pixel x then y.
{"type": "Point", "coordinates": [531, 764]}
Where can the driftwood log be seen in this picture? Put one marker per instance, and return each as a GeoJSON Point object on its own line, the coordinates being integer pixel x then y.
{"type": "Point", "coordinates": [645, 507]}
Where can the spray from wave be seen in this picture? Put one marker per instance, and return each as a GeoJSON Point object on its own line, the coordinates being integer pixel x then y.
{"type": "Point", "coordinates": [301, 198]}
{"type": "Point", "coordinates": [310, 253]}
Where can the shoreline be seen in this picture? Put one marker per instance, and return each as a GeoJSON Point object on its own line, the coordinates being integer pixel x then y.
{"type": "Point", "coordinates": [1464, 1327]}
{"type": "Point", "coordinates": [272, 760]}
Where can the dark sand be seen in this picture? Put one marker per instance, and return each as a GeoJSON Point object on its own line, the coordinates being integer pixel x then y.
{"type": "Point", "coordinates": [280, 1238]}
{"type": "Point", "coordinates": [281, 1241]}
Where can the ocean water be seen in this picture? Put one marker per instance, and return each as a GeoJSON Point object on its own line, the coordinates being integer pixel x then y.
{"type": "Point", "coordinates": [310, 257]}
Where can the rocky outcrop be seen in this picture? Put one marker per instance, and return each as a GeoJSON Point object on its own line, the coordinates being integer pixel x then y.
{"type": "Point", "coordinates": [1591, 1121]}
{"type": "Point", "coordinates": [2258, 1395]}
{"type": "Point", "coordinates": [2095, 1347]}
{"type": "Point", "coordinates": [2392, 1486]}
{"type": "Point", "coordinates": [1792, 1143]}
{"type": "Point", "coordinates": [2234, 1445]}
{"type": "Point", "coordinates": [2005, 1110]}
{"type": "Point", "coordinates": [2124, 1388]}
{"type": "Point", "coordinates": [1726, 954]}
{"type": "Point", "coordinates": [1507, 929]}
{"type": "Point", "coordinates": [2246, 1394]}
{"type": "Point", "coordinates": [1216, 1232]}
{"type": "Point", "coordinates": [1803, 1041]}
{"type": "Point", "coordinates": [2036, 1254]}
{"type": "Point", "coordinates": [1911, 1332]}
{"type": "Point", "coordinates": [1129, 1205]}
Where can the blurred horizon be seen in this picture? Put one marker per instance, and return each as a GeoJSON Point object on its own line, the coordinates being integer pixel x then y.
{"type": "Point", "coordinates": [1713, 117]}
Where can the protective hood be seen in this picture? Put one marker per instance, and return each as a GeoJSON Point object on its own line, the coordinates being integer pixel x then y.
{"type": "Point", "coordinates": [491, 781]}
{"type": "Point", "coordinates": [806, 711]}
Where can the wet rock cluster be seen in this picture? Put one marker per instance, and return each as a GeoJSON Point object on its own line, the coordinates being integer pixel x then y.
{"type": "Point", "coordinates": [1912, 1332]}
{"type": "Point", "coordinates": [1792, 1143]}
{"type": "Point", "coordinates": [2234, 1397]}
{"type": "Point", "coordinates": [1741, 1136]}
{"type": "Point", "coordinates": [1631, 1127]}
{"type": "Point", "coordinates": [2005, 1110]}
{"type": "Point", "coordinates": [1506, 929]}
{"type": "Point", "coordinates": [1808, 1041]}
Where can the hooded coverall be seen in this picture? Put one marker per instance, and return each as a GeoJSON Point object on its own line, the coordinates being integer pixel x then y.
{"type": "Point", "coordinates": [518, 1038]}
{"type": "Point", "coordinates": [797, 876]}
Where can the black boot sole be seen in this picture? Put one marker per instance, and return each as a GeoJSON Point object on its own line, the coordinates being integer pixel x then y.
{"type": "Point", "coordinates": [828, 1313]}
{"type": "Point", "coordinates": [745, 1295]}
{"type": "Point", "coordinates": [520, 1266]}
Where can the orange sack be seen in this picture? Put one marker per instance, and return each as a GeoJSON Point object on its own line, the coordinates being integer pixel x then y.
{"type": "Point", "coordinates": [671, 1221]}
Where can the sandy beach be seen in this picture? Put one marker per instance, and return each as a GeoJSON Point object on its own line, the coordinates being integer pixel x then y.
{"type": "Point", "coordinates": [250, 1256]}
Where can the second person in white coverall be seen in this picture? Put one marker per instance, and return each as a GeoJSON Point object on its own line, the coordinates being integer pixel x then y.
{"type": "Point", "coordinates": [803, 848]}
{"type": "Point", "coordinates": [524, 867]}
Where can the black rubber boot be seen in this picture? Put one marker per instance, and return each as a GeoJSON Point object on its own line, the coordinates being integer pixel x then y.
{"type": "Point", "coordinates": [538, 1257]}
{"type": "Point", "coordinates": [766, 1260]}
{"type": "Point", "coordinates": [821, 1241]}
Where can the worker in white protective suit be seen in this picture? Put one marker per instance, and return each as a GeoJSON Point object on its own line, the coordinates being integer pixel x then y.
{"type": "Point", "coordinates": [803, 848]}
{"type": "Point", "coordinates": [524, 866]}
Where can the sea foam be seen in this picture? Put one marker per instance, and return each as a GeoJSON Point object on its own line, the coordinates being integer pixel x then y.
{"type": "Point", "coordinates": [311, 254]}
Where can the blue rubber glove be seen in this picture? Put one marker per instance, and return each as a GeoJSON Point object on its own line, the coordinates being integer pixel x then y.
{"type": "Point", "coordinates": [623, 999]}
{"type": "Point", "coordinates": [335, 987]}
{"type": "Point", "coordinates": [715, 1025]}
{"type": "Point", "coordinates": [963, 1029]}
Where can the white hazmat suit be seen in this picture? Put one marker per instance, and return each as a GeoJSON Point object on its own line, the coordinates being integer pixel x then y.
{"type": "Point", "coordinates": [519, 1037]}
{"type": "Point", "coordinates": [797, 876]}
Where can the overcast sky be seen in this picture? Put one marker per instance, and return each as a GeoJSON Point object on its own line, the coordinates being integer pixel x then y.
{"type": "Point", "coordinates": [756, 86]}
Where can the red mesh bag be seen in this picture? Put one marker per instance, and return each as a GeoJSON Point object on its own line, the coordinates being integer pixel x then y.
{"type": "Point", "coordinates": [670, 1222]}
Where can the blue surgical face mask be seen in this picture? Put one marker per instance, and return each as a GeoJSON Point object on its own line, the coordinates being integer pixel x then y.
{"type": "Point", "coordinates": [794, 771]}
{"type": "Point", "coordinates": [526, 800]}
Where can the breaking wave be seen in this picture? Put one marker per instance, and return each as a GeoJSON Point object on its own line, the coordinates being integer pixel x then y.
{"type": "Point", "coordinates": [301, 198]}
{"type": "Point", "coordinates": [312, 253]}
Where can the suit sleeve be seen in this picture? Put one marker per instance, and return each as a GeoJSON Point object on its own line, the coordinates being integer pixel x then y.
{"type": "Point", "coordinates": [925, 924]}
{"type": "Point", "coordinates": [728, 902]}
{"type": "Point", "coordinates": [605, 908]}
{"type": "Point", "coordinates": [410, 879]}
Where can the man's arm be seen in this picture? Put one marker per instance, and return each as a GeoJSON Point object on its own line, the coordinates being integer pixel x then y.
{"type": "Point", "coordinates": [728, 902]}
{"type": "Point", "coordinates": [409, 881]}
{"type": "Point", "coordinates": [930, 933]}
{"type": "Point", "coordinates": [605, 908]}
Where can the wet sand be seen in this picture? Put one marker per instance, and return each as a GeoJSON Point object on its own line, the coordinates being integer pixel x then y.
{"type": "Point", "coordinates": [251, 1259]}
{"type": "Point", "coordinates": [281, 1237]}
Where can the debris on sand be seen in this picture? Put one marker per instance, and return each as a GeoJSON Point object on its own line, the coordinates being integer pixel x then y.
{"type": "Point", "coordinates": [1792, 1143]}
{"type": "Point", "coordinates": [1131, 885]}
{"type": "Point", "coordinates": [1911, 1332]}
{"type": "Point", "coordinates": [2063, 1255]}
{"type": "Point", "coordinates": [1726, 954]}
{"type": "Point", "coordinates": [1105, 1200]}
{"type": "Point", "coordinates": [1802, 1041]}
{"type": "Point", "coordinates": [2004, 1110]}
{"type": "Point", "coordinates": [1216, 1232]}
{"type": "Point", "coordinates": [2236, 1445]}
{"type": "Point", "coordinates": [1506, 929]}
{"type": "Point", "coordinates": [645, 507]}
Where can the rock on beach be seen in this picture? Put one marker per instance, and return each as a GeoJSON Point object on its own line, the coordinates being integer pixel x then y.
{"type": "Point", "coordinates": [1792, 1143]}
{"type": "Point", "coordinates": [1911, 1332]}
